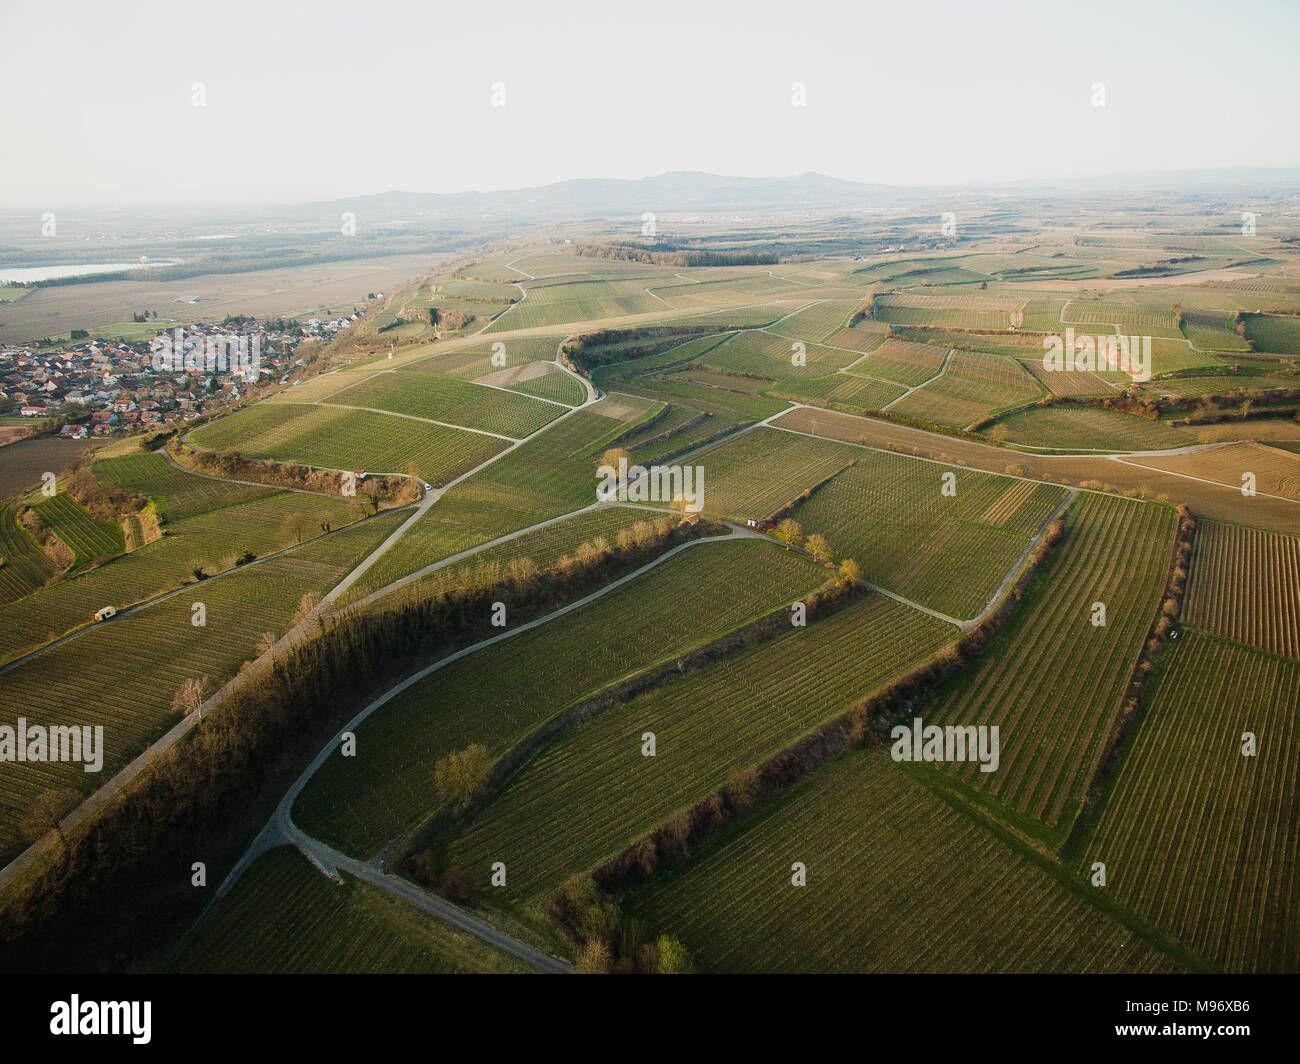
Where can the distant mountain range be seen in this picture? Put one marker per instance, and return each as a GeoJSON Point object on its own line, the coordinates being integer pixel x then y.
{"type": "Point", "coordinates": [679, 191]}
{"type": "Point", "coordinates": [689, 191]}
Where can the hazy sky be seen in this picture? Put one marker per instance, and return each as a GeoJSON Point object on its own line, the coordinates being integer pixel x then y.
{"type": "Point", "coordinates": [312, 100]}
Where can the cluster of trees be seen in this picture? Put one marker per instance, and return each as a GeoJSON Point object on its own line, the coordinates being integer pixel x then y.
{"type": "Point", "coordinates": [585, 351]}
{"type": "Point", "coordinates": [373, 492]}
{"type": "Point", "coordinates": [610, 942]}
{"type": "Point", "coordinates": [670, 255]}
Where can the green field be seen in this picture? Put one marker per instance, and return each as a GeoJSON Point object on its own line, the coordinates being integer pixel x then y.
{"type": "Point", "coordinates": [972, 386]}
{"type": "Point", "coordinates": [1064, 427]}
{"type": "Point", "coordinates": [896, 882]}
{"type": "Point", "coordinates": [335, 438]}
{"type": "Point", "coordinates": [26, 567]}
{"type": "Point", "coordinates": [1278, 333]}
{"type": "Point", "coordinates": [151, 653]}
{"type": "Point", "coordinates": [284, 916]}
{"type": "Point", "coordinates": [425, 395]}
{"type": "Point", "coordinates": [708, 726]}
{"type": "Point", "coordinates": [428, 542]}
{"type": "Point", "coordinates": [88, 539]}
{"type": "Point", "coordinates": [213, 541]}
{"type": "Point", "coordinates": [1052, 681]}
{"type": "Point", "coordinates": [176, 494]}
{"type": "Point", "coordinates": [500, 693]}
{"type": "Point", "coordinates": [756, 474]}
{"type": "Point", "coordinates": [950, 553]}
{"type": "Point", "coordinates": [1197, 837]}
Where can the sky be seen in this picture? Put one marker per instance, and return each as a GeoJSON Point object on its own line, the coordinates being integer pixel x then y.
{"type": "Point", "coordinates": [306, 101]}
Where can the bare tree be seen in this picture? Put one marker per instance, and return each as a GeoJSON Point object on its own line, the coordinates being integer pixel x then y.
{"type": "Point", "coordinates": [190, 696]}
{"type": "Point", "coordinates": [46, 814]}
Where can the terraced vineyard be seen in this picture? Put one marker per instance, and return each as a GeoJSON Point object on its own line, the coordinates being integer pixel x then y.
{"type": "Point", "coordinates": [1052, 681]}
{"type": "Point", "coordinates": [26, 567]}
{"type": "Point", "coordinates": [88, 539]}
{"type": "Point", "coordinates": [708, 726]}
{"type": "Point", "coordinates": [1194, 835]}
{"type": "Point", "coordinates": [335, 438]}
{"type": "Point", "coordinates": [498, 694]}
{"type": "Point", "coordinates": [876, 844]}
{"type": "Point", "coordinates": [284, 916]}
{"type": "Point", "coordinates": [176, 493]}
{"type": "Point", "coordinates": [950, 553]}
{"type": "Point", "coordinates": [1244, 585]}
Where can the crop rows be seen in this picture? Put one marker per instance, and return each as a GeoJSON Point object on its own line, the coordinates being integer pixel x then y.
{"type": "Point", "coordinates": [176, 494]}
{"type": "Point", "coordinates": [1244, 585]}
{"type": "Point", "coordinates": [757, 474]}
{"type": "Point", "coordinates": [447, 399]}
{"type": "Point", "coordinates": [122, 674]}
{"type": "Point", "coordinates": [1087, 427]}
{"type": "Point", "coordinates": [1195, 836]}
{"type": "Point", "coordinates": [972, 386]}
{"type": "Point", "coordinates": [496, 695]}
{"type": "Point", "coordinates": [903, 361]}
{"type": "Point", "coordinates": [87, 538]}
{"type": "Point", "coordinates": [26, 567]}
{"type": "Point", "coordinates": [348, 439]}
{"type": "Point", "coordinates": [284, 916]}
{"type": "Point", "coordinates": [948, 552]}
{"type": "Point", "coordinates": [211, 541]}
{"type": "Point", "coordinates": [896, 882]}
{"type": "Point", "coordinates": [707, 727]}
{"type": "Point", "coordinates": [1052, 681]}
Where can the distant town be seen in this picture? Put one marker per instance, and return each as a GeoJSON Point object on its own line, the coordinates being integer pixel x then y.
{"type": "Point", "coordinates": [101, 386]}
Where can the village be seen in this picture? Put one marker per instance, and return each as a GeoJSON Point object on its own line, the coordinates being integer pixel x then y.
{"type": "Point", "coordinates": [102, 386]}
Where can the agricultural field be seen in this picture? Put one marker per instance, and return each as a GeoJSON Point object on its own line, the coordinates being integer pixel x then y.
{"type": "Point", "coordinates": [88, 539]}
{"type": "Point", "coordinates": [972, 386]}
{"type": "Point", "coordinates": [1128, 318]}
{"type": "Point", "coordinates": [708, 726]}
{"type": "Point", "coordinates": [1278, 333]}
{"type": "Point", "coordinates": [26, 567]}
{"type": "Point", "coordinates": [176, 494]}
{"type": "Point", "coordinates": [213, 542]}
{"type": "Point", "coordinates": [542, 547]}
{"type": "Point", "coordinates": [284, 916]}
{"type": "Point", "coordinates": [948, 552]}
{"type": "Point", "coordinates": [336, 438]}
{"type": "Point", "coordinates": [1244, 585]}
{"type": "Point", "coordinates": [362, 802]}
{"type": "Point", "coordinates": [1194, 835]}
{"type": "Point", "coordinates": [1053, 680]}
{"type": "Point", "coordinates": [790, 465]}
{"type": "Point", "coordinates": [902, 361]}
{"type": "Point", "coordinates": [1067, 427]}
{"type": "Point", "coordinates": [1213, 331]}
{"type": "Point", "coordinates": [876, 843]}
{"type": "Point", "coordinates": [446, 399]}
{"type": "Point", "coordinates": [1274, 471]}
{"type": "Point", "coordinates": [152, 653]}
{"type": "Point", "coordinates": [975, 313]}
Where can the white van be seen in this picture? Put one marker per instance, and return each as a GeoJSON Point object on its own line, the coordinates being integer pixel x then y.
{"type": "Point", "coordinates": [105, 613]}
